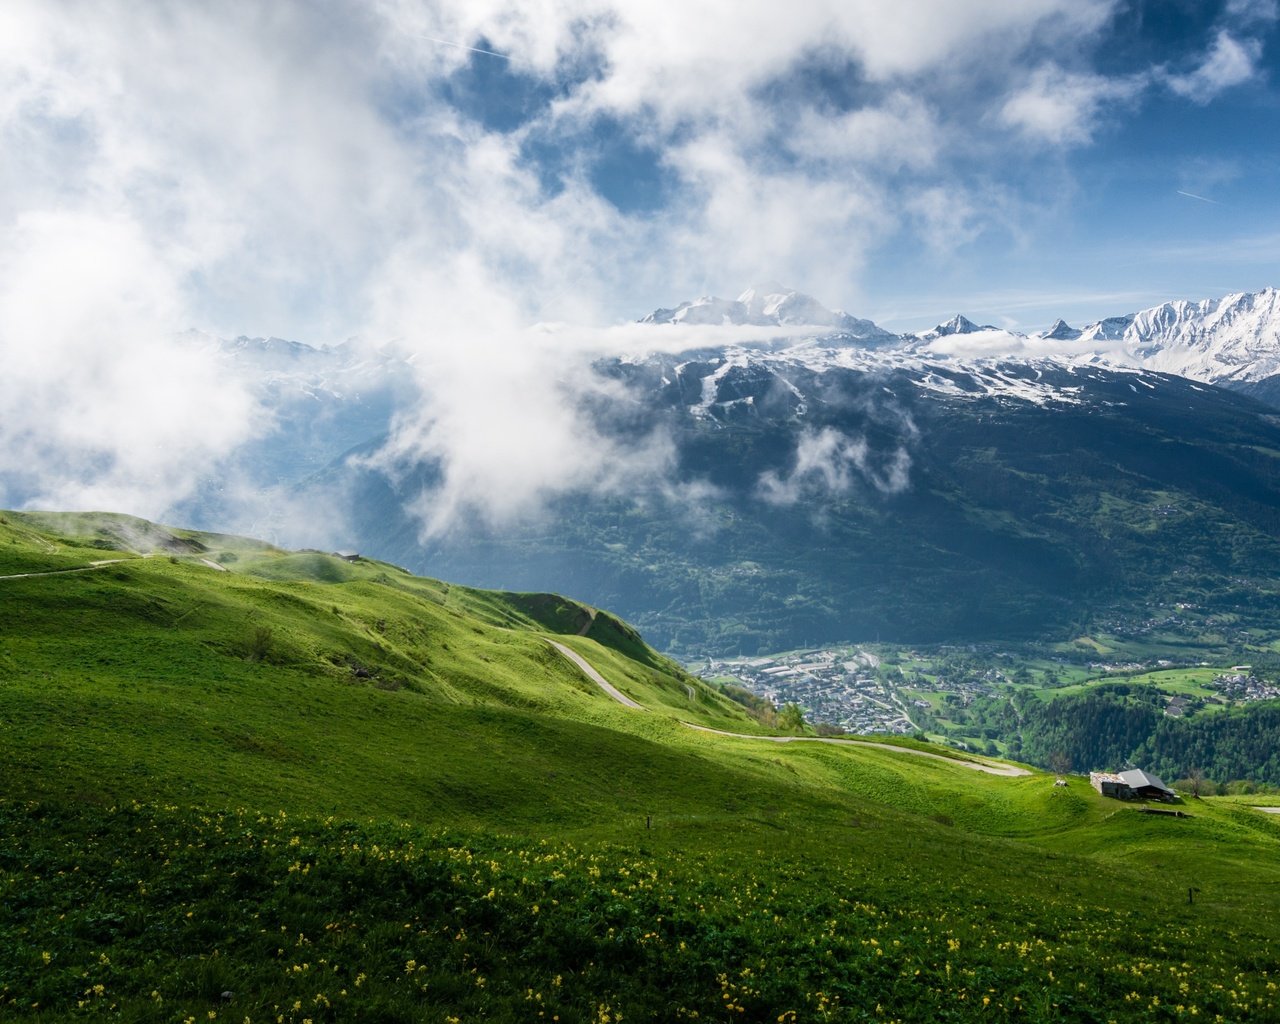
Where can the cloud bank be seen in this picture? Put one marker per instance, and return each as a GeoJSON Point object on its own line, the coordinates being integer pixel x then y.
{"type": "Point", "coordinates": [353, 169]}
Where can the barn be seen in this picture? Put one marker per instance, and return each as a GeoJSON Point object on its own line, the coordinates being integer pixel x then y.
{"type": "Point", "coordinates": [1146, 786]}
{"type": "Point", "coordinates": [1134, 784]}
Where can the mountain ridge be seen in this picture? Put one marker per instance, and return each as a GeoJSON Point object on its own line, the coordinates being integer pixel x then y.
{"type": "Point", "coordinates": [1234, 340]}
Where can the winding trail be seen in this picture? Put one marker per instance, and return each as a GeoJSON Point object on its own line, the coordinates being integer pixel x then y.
{"type": "Point", "coordinates": [1006, 770]}
{"type": "Point", "coordinates": [595, 676]}
{"type": "Point", "coordinates": [62, 572]}
{"type": "Point", "coordinates": [1009, 771]}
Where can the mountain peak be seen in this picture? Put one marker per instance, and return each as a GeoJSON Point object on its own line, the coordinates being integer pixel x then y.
{"type": "Point", "coordinates": [765, 290]}
{"type": "Point", "coordinates": [770, 304]}
{"type": "Point", "coordinates": [959, 324]}
{"type": "Point", "coordinates": [775, 303]}
{"type": "Point", "coordinates": [1062, 331]}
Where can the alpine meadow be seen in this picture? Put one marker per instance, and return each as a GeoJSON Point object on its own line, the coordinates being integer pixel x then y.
{"type": "Point", "coordinates": [599, 512]}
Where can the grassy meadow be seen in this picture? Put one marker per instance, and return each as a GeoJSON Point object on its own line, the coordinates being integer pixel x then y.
{"type": "Point", "coordinates": [243, 784]}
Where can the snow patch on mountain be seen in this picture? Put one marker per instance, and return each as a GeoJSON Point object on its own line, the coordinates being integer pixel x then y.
{"type": "Point", "coordinates": [1061, 331]}
{"type": "Point", "coordinates": [1232, 340]}
{"type": "Point", "coordinates": [771, 305]}
{"type": "Point", "coordinates": [958, 324]}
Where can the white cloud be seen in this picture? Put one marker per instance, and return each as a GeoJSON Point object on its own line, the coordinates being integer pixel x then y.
{"type": "Point", "coordinates": [829, 464]}
{"type": "Point", "coordinates": [693, 58]}
{"type": "Point", "coordinates": [99, 408]}
{"type": "Point", "coordinates": [1229, 62]}
{"type": "Point", "coordinates": [501, 410]}
{"type": "Point", "coordinates": [1246, 12]}
{"type": "Point", "coordinates": [901, 132]}
{"type": "Point", "coordinates": [1064, 107]}
{"type": "Point", "coordinates": [742, 222]}
{"type": "Point", "coordinates": [948, 218]}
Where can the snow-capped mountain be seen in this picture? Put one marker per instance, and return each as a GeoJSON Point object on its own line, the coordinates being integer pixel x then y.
{"type": "Point", "coordinates": [770, 305]}
{"type": "Point", "coordinates": [958, 324]}
{"type": "Point", "coordinates": [1062, 331]}
{"type": "Point", "coordinates": [1233, 341]}
{"type": "Point", "coordinates": [821, 490]}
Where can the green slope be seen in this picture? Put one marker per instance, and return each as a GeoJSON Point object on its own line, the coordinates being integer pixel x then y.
{"type": "Point", "coordinates": [337, 791]}
{"type": "Point", "coordinates": [307, 681]}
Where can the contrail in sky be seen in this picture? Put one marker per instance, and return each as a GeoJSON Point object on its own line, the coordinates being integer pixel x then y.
{"type": "Point", "coordinates": [1192, 195]}
{"type": "Point", "coordinates": [462, 46]}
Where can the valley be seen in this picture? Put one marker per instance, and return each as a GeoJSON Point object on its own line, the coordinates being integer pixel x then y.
{"type": "Point", "coordinates": [993, 700]}
{"type": "Point", "coordinates": [837, 686]}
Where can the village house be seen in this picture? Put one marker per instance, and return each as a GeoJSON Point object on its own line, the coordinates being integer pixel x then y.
{"type": "Point", "coordinates": [1134, 784]}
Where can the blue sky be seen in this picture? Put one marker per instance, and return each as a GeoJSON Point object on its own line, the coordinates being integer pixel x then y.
{"type": "Point", "coordinates": [332, 169]}
{"type": "Point", "coordinates": [1017, 161]}
{"type": "Point", "coordinates": [1032, 213]}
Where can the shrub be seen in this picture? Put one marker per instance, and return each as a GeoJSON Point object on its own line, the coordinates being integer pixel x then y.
{"type": "Point", "coordinates": [261, 643]}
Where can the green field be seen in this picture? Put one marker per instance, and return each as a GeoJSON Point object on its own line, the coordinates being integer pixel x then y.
{"type": "Point", "coordinates": [336, 792]}
{"type": "Point", "coordinates": [1188, 681]}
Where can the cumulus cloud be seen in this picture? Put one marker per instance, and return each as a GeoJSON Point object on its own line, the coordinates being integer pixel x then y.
{"type": "Point", "coordinates": [99, 408]}
{"type": "Point", "coordinates": [1229, 62]}
{"type": "Point", "coordinates": [829, 464]}
{"type": "Point", "coordinates": [139, 199]}
{"type": "Point", "coordinates": [948, 217]}
{"type": "Point", "coordinates": [1249, 12]}
{"type": "Point", "coordinates": [901, 132]}
{"type": "Point", "coordinates": [506, 442]}
{"type": "Point", "coordinates": [691, 60]}
{"type": "Point", "coordinates": [748, 220]}
{"type": "Point", "coordinates": [502, 410]}
{"type": "Point", "coordinates": [1064, 107]}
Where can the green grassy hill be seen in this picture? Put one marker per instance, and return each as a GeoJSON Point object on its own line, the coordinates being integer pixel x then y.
{"type": "Point", "coordinates": [243, 783]}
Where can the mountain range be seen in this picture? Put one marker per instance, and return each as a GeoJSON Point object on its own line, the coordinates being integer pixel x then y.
{"type": "Point", "coordinates": [1234, 341]}
{"type": "Point", "coordinates": [836, 481]}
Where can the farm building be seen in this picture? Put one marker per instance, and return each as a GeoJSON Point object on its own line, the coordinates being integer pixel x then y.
{"type": "Point", "coordinates": [1109, 784]}
{"type": "Point", "coordinates": [1130, 785]}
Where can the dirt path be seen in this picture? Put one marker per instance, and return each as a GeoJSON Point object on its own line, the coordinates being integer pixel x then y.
{"type": "Point", "coordinates": [1010, 771]}
{"type": "Point", "coordinates": [1007, 770]}
{"type": "Point", "coordinates": [61, 572]}
{"type": "Point", "coordinates": [591, 621]}
{"type": "Point", "coordinates": [596, 677]}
